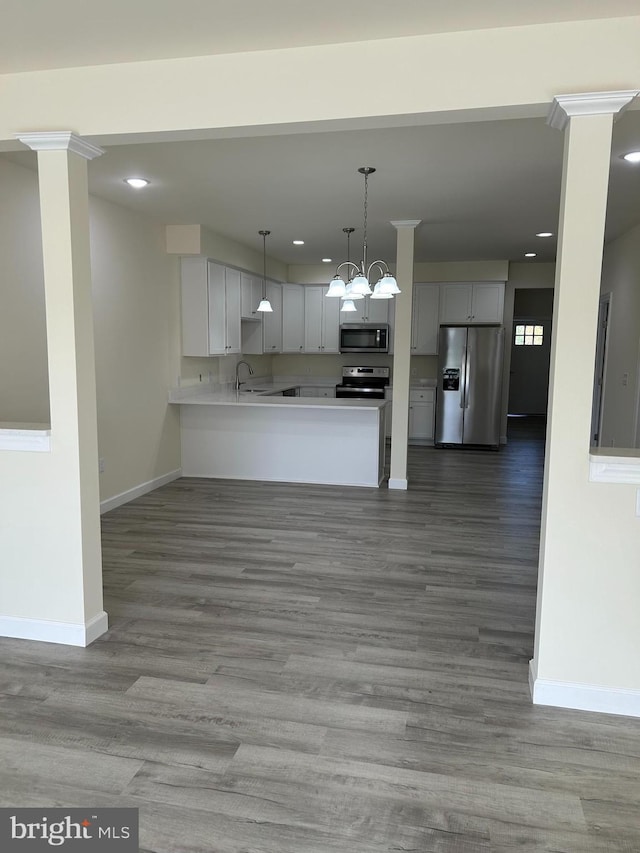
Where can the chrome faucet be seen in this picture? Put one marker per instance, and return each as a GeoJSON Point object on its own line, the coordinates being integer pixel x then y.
{"type": "Point", "coordinates": [247, 365]}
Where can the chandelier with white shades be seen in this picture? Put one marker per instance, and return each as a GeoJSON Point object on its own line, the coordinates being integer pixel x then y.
{"type": "Point", "coordinates": [357, 285]}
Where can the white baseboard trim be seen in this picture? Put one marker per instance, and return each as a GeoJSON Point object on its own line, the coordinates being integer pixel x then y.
{"type": "Point", "coordinates": [397, 483]}
{"type": "Point", "coordinates": [138, 491]}
{"type": "Point", "coordinates": [583, 697]}
{"type": "Point", "coordinates": [46, 631]}
{"type": "Point", "coordinates": [533, 674]}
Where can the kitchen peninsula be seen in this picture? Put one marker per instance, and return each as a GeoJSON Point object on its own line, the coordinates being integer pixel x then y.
{"type": "Point", "coordinates": [261, 435]}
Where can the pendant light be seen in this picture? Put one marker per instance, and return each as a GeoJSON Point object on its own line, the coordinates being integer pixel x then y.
{"type": "Point", "coordinates": [357, 285]}
{"type": "Point", "coordinates": [265, 305]}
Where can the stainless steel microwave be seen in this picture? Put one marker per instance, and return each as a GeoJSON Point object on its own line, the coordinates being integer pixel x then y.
{"type": "Point", "coordinates": [364, 337]}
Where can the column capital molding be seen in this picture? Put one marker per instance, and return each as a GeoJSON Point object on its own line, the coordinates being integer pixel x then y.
{"type": "Point", "coordinates": [405, 223]}
{"type": "Point", "coordinates": [60, 140]}
{"type": "Point", "coordinates": [565, 107]}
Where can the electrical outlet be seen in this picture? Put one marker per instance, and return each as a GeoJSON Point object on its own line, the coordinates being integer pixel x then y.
{"type": "Point", "coordinates": [414, 371]}
{"type": "Point", "coordinates": [101, 465]}
{"type": "Point", "coordinates": [308, 371]}
{"type": "Point", "coordinates": [625, 380]}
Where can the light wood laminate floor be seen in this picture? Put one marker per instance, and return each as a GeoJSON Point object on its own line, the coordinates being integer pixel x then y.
{"type": "Point", "coordinates": [306, 669]}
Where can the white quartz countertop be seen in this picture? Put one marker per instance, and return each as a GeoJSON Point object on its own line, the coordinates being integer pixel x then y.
{"type": "Point", "coordinates": [24, 436]}
{"type": "Point", "coordinates": [197, 396]}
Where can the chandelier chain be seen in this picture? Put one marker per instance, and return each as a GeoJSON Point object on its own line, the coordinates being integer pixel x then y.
{"type": "Point", "coordinates": [364, 238]}
{"type": "Point", "coordinates": [357, 284]}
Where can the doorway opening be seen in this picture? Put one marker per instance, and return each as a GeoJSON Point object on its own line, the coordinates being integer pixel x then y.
{"type": "Point", "coordinates": [530, 352]}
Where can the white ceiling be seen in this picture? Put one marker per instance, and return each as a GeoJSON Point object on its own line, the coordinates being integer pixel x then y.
{"type": "Point", "coordinates": [37, 34]}
{"type": "Point", "coordinates": [482, 190]}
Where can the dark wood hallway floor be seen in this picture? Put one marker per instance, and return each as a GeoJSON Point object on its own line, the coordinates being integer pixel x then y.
{"type": "Point", "coordinates": [300, 669]}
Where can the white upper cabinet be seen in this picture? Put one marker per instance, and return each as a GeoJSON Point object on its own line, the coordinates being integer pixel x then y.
{"type": "Point", "coordinates": [210, 298]}
{"type": "Point", "coordinates": [251, 294]}
{"type": "Point", "coordinates": [425, 320]}
{"type": "Point", "coordinates": [313, 298]}
{"type": "Point", "coordinates": [487, 305]}
{"type": "Point", "coordinates": [481, 302]}
{"type": "Point", "coordinates": [229, 342]}
{"type": "Point", "coordinates": [455, 304]}
{"type": "Point", "coordinates": [330, 323]}
{"type": "Point", "coordinates": [292, 318]}
{"type": "Point", "coordinates": [272, 321]}
{"type": "Point", "coordinates": [194, 298]}
{"type": "Point", "coordinates": [321, 321]}
{"type": "Point", "coordinates": [369, 310]}
{"type": "Point", "coordinates": [421, 415]}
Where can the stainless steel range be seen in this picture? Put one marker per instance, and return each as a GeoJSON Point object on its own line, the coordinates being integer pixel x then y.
{"type": "Point", "coordinates": [363, 383]}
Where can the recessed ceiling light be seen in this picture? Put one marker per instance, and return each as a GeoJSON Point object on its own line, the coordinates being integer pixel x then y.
{"type": "Point", "coordinates": [298, 242]}
{"type": "Point", "coordinates": [136, 183]}
{"type": "Point", "coordinates": [529, 254]}
{"type": "Point", "coordinates": [544, 234]}
{"type": "Point", "coordinates": [632, 157]}
{"type": "Point", "coordinates": [327, 260]}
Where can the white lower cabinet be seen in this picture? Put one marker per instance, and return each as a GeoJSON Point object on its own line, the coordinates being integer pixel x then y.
{"type": "Point", "coordinates": [317, 391]}
{"type": "Point", "coordinates": [388, 415]}
{"type": "Point", "coordinates": [421, 415]}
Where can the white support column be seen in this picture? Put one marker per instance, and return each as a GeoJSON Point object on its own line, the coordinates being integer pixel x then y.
{"type": "Point", "coordinates": [576, 648]}
{"type": "Point", "coordinates": [53, 589]}
{"type": "Point", "coordinates": [402, 352]}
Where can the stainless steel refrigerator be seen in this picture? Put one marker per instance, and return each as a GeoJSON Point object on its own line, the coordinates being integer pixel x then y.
{"type": "Point", "coordinates": [469, 385]}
